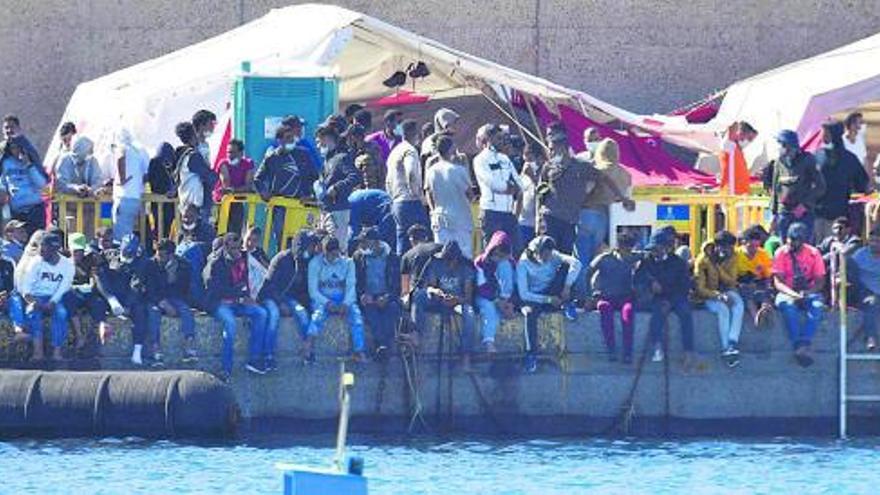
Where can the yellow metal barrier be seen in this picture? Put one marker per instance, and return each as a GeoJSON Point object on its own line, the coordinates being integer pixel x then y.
{"type": "Point", "coordinates": [297, 215]}
{"type": "Point", "coordinates": [87, 215]}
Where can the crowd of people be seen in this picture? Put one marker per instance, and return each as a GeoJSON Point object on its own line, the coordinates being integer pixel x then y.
{"type": "Point", "coordinates": [395, 241]}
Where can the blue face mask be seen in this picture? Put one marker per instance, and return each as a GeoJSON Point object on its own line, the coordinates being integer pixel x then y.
{"type": "Point", "coordinates": [398, 131]}
{"type": "Point", "coordinates": [289, 146]}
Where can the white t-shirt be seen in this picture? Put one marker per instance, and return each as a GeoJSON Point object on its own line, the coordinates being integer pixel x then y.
{"type": "Point", "coordinates": [859, 148]}
{"type": "Point", "coordinates": [449, 184]}
{"type": "Point", "coordinates": [136, 165]}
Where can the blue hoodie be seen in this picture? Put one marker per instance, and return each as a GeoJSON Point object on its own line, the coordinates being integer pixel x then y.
{"type": "Point", "coordinates": [332, 281]}
{"type": "Point", "coordinates": [23, 183]}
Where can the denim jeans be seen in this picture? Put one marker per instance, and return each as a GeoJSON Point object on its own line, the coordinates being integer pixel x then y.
{"type": "Point", "coordinates": [187, 318]}
{"type": "Point", "coordinates": [682, 309]}
{"type": "Point", "coordinates": [870, 308]}
{"type": "Point", "coordinates": [273, 321]}
{"type": "Point", "coordinates": [526, 234]}
{"type": "Point", "coordinates": [406, 214]}
{"type": "Point", "coordinates": [490, 318]}
{"type": "Point", "coordinates": [785, 218]}
{"type": "Point", "coordinates": [382, 321]}
{"type": "Point", "coordinates": [422, 304]}
{"type": "Point", "coordinates": [33, 318]}
{"type": "Point", "coordinates": [730, 317]}
{"type": "Point", "coordinates": [226, 314]}
{"type": "Point", "coordinates": [145, 321]}
{"type": "Point", "coordinates": [94, 304]}
{"type": "Point", "coordinates": [125, 214]}
{"type": "Point", "coordinates": [801, 333]}
{"type": "Point", "coordinates": [592, 228]}
{"type": "Point", "coordinates": [493, 221]}
{"type": "Point", "coordinates": [532, 310]}
{"type": "Point", "coordinates": [561, 231]}
{"type": "Point", "coordinates": [355, 323]}
{"type": "Point", "coordinates": [16, 310]}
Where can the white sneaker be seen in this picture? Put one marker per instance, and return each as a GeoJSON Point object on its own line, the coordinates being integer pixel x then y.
{"type": "Point", "coordinates": [657, 357]}
{"type": "Point", "coordinates": [136, 358]}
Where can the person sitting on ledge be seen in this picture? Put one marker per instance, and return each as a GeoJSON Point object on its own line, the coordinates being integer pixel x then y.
{"type": "Point", "coordinates": [496, 280]}
{"type": "Point", "coordinates": [544, 277]}
{"type": "Point", "coordinates": [84, 294]}
{"type": "Point", "coordinates": [754, 275]}
{"type": "Point", "coordinates": [612, 285]}
{"type": "Point", "coordinates": [447, 287]}
{"type": "Point", "coordinates": [44, 282]}
{"type": "Point", "coordinates": [799, 278]}
{"type": "Point", "coordinates": [865, 271]}
{"type": "Point", "coordinates": [172, 288]}
{"type": "Point", "coordinates": [378, 288]}
{"type": "Point", "coordinates": [667, 279]}
{"type": "Point", "coordinates": [228, 296]}
{"type": "Point", "coordinates": [332, 288]}
{"type": "Point", "coordinates": [285, 291]}
{"type": "Point", "coordinates": [715, 277]}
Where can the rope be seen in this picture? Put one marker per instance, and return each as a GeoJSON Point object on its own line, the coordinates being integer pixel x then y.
{"type": "Point", "coordinates": [627, 410]}
{"type": "Point", "coordinates": [380, 390]}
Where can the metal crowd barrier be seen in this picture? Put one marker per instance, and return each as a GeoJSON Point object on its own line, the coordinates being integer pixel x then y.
{"type": "Point", "coordinates": [87, 215]}
{"type": "Point", "coordinates": [239, 211]}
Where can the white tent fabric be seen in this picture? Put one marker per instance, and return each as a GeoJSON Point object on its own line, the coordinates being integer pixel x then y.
{"type": "Point", "coordinates": [151, 97]}
{"type": "Point", "coordinates": [798, 96]}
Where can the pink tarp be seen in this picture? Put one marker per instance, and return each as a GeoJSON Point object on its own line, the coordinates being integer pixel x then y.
{"type": "Point", "coordinates": [643, 157]}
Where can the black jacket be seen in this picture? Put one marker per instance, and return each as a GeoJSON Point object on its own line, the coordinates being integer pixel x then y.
{"type": "Point", "coordinates": [173, 280]}
{"type": "Point", "coordinates": [218, 281]}
{"type": "Point", "coordinates": [7, 276]}
{"type": "Point", "coordinates": [199, 166]}
{"type": "Point", "coordinates": [339, 175]}
{"type": "Point", "coordinates": [286, 174]}
{"type": "Point", "coordinates": [843, 174]}
{"type": "Point", "coordinates": [392, 271]}
{"type": "Point", "coordinates": [671, 273]}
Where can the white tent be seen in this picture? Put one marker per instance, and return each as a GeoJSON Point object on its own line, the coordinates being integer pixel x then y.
{"type": "Point", "coordinates": [798, 96]}
{"type": "Point", "coordinates": [311, 39]}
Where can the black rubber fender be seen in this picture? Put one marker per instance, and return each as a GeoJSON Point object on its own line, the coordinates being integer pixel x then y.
{"type": "Point", "coordinates": [166, 404]}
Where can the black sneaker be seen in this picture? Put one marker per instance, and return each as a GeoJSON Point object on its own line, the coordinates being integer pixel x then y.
{"type": "Point", "coordinates": [310, 359]}
{"type": "Point", "coordinates": [190, 356]}
{"type": "Point", "coordinates": [224, 377]}
{"type": "Point", "coordinates": [732, 361]}
{"type": "Point", "coordinates": [255, 368]}
{"type": "Point", "coordinates": [157, 361]}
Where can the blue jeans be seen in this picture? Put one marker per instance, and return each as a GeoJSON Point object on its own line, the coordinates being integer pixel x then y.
{"type": "Point", "coordinates": [406, 214]}
{"type": "Point", "coordinates": [16, 309]}
{"type": "Point", "coordinates": [33, 318]}
{"type": "Point", "coordinates": [494, 221]}
{"type": "Point", "coordinates": [226, 314]}
{"type": "Point", "coordinates": [355, 322]}
{"type": "Point", "coordinates": [784, 219]}
{"type": "Point", "coordinates": [592, 228]}
{"type": "Point", "coordinates": [490, 317]}
{"type": "Point", "coordinates": [125, 214]}
{"type": "Point", "coordinates": [145, 321]}
{"type": "Point", "coordinates": [187, 318]}
{"type": "Point", "coordinates": [526, 234]}
{"type": "Point", "coordinates": [273, 321]}
{"type": "Point", "coordinates": [383, 321]}
{"type": "Point", "coordinates": [870, 308]}
{"type": "Point", "coordinates": [561, 231]}
{"type": "Point", "coordinates": [801, 333]}
{"type": "Point", "coordinates": [682, 309]}
{"type": "Point", "coordinates": [422, 304]}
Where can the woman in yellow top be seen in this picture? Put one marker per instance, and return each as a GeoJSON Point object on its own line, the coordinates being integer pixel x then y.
{"type": "Point", "coordinates": [754, 273]}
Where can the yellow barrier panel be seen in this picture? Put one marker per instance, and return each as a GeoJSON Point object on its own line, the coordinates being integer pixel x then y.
{"type": "Point", "coordinates": [87, 215]}
{"type": "Point", "coordinates": [298, 214]}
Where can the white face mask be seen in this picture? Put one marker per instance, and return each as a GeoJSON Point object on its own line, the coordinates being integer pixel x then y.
{"type": "Point", "coordinates": [208, 134]}
{"type": "Point", "coordinates": [591, 146]}
{"type": "Point", "coordinates": [744, 143]}
{"type": "Point", "coordinates": [289, 146]}
{"type": "Point", "coordinates": [234, 162]}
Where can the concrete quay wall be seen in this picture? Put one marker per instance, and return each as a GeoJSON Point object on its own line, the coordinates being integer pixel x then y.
{"type": "Point", "coordinates": [576, 390]}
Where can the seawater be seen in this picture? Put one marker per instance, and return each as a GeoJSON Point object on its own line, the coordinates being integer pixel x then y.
{"type": "Point", "coordinates": [403, 466]}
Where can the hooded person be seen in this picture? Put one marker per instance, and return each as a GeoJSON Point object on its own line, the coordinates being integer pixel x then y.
{"type": "Point", "coordinates": [795, 185]}
{"type": "Point", "coordinates": [333, 291]}
{"type": "Point", "coordinates": [21, 184]}
{"type": "Point", "coordinates": [447, 287]}
{"type": "Point", "coordinates": [162, 177]}
{"type": "Point", "coordinates": [715, 285]}
{"type": "Point", "coordinates": [378, 287]}
{"type": "Point", "coordinates": [135, 284]}
{"type": "Point", "coordinates": [444, 125]}
{"type": "Point", "coordinates": [84, 293]}
{"type": "Point", "coordinates": [285, 291]}
{"type": "Point", "coordinates": [130, 167]}
{"type": "Point", "coordinates": [843, 174]}
{"type": "Point", "coordinates": [495, 284]}
{"type": "Point", "coordinates": [43, 284]}
{"type": "Point", "coordinates": [544, 278]}
{"type": "Point", "coordinates": [78, 172]}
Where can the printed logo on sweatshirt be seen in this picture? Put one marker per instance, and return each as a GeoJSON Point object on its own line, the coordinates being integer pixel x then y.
{"type": "Point", "coordinates": [51, 277]}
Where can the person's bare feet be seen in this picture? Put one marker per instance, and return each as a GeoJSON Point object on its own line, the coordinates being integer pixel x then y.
{"type": "Point", "coordinates": [56, 354]}
{"type": "Point", "coordinates": [38, 351]}
{"type": "Point", "coordinates": [871, 344]}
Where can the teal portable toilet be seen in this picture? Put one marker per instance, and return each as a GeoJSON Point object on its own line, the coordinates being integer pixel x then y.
{"type": "Point", "coordinates": [261, 102]}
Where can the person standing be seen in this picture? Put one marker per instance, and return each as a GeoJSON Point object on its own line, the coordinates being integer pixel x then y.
{"type": "Point", "coordinates": [371, 208]}
{"type": "Point", "coordinates": [12, 129]}
{"type": "Point", "coordinates": [500, 186]}
{"type": "Point", "coordinates": [197, 178]}
{"type": "Point", "coordinates": [131, 167]}
{"type": "Point", "coordinates": [236, 172]}
{"type": "Point", "coordinates": [843, 175]}
{"type": "Point", "coordinates": [389, 136]}
{"type": "Point", "coordinates": [530, 174]}
{"type": "Point", "coordinates": [21, 183]}
{"type": "Point", "coordinates": [734, 179]}
{"type": "Point", "coordinates": [204, 122]}
{"type": "Point", "coordinates": [449, 197]}
{"type": "Point", "coordinates": [338, 179]}
{"type": "Point", "coordinates": [404, 183]}
{"type": "Point", "coordinates": [795, 185]}
{"type": "Point", "coordinates": [854, 138]}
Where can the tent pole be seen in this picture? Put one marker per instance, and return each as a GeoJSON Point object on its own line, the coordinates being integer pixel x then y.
{"type": "Point", "coordinates": [535, 120]}
{"type": "Point", "coordinates": [509, 95]}
{"type": "Point", "coordinates": [506, 114]}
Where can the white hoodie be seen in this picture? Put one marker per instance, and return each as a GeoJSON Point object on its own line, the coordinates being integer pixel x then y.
{"type": "Point", "coordinates": [41, 279]}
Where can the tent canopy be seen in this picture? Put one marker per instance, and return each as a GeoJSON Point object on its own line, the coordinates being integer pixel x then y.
{"type": "Point", "coordinates": [798, 96]}
{"type": "Point", "coordinates": [151, 97]}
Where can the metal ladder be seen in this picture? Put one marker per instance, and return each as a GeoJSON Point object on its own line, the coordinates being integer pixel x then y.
{"type": "Point", "coordinates": [845, 357]}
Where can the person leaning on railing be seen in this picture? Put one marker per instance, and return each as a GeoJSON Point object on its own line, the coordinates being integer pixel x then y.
{"type": "Point", "coordinates": [21, 183]}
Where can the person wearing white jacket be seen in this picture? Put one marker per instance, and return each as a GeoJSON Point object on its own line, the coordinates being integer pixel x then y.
{"type": "Point", "coordinates": [43, 283]}
{"type": "Point", "coordinates": [500, 187]}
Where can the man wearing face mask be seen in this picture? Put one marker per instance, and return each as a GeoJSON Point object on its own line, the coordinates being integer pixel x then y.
{"type": "Point", "coordinates": [854, 139]}
{"type": "Point", "coordinates": [338, 179]}
{"type": "Point", "coordinates": [204, 122]}
{"type": "Point", "coordinates": [734, 170]}
{"type": "Point", "coordinates": [405, 186]}
{"type": "Point", "coordinates": [390, 136]}
{"type": "Point", "coordinates": [843, 175]}
{"type": "Point", "coordinates": [591, 142]}
{"type": "Point", "coordinates": [795, 186]}
{"type": "Point", "coordinates": [715, 277]}
{"type": "Point", "coordinates": [500, 187]}
{"type": "Point", "coordinates": [78, 172]}
{"type": "Point", "coordinates": [197, 179]}
{"type": "Point", "coordinates": [799, 278]}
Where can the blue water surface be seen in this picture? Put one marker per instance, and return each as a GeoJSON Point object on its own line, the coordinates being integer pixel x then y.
{"type": "Point", "coordinates": [400, 466]}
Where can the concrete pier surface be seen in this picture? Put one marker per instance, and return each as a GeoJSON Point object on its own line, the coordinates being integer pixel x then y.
{"type": "Point", "coordinates": [575, 391]}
